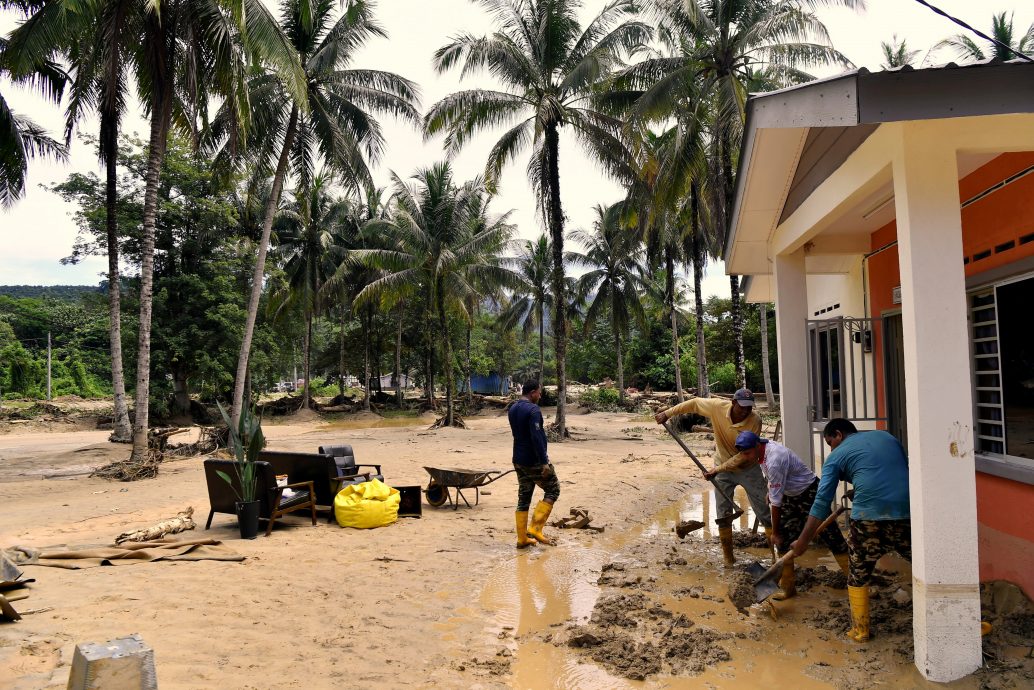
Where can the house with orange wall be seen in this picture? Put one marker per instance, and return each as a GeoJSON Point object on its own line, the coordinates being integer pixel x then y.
{"type": "Point", "coordinates": [890, 218]}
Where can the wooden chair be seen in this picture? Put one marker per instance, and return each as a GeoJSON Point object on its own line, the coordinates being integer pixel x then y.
{"type": "Point", "coordinates": [272, 503]}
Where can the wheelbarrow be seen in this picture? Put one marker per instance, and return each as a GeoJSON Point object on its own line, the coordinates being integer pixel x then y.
{"type": "Point", "coordinates": [445, 478]}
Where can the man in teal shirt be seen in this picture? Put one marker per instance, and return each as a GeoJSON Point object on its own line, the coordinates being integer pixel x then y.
{"type": "Point", "coordinates": [875, 464]}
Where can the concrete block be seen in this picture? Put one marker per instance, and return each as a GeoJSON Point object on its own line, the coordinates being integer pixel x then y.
{"type": "Point", "coordinates": [125, 663]}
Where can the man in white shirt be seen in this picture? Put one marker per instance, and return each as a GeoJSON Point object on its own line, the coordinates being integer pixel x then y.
{"type": "Point", "coordinates": [791, 493]}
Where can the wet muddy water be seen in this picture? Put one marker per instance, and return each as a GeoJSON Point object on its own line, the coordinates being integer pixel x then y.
{"type": "Point", "coordinates": [537, 593]}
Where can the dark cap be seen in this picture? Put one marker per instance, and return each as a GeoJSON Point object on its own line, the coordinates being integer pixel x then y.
{"type": "Point", "coordinates": [744, 397]}
{"type": "Point", "coordinates": [746, 440]}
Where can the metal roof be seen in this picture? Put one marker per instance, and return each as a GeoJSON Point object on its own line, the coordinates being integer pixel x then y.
{"type": "Point", "coordinates": [864, 100]}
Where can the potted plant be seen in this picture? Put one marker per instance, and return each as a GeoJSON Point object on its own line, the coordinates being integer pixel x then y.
{"type": "Point", "coordinates": [245, 442]}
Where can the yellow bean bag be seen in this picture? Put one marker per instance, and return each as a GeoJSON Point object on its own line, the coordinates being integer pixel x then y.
{"type": "Point", "coordinates": [367, 505]}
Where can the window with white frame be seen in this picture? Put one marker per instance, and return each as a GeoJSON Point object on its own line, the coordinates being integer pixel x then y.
{"type": "Point", "coordinates": [1003, 369]}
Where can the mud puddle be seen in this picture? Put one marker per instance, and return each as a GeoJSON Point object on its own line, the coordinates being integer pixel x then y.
{"type": "Point", "coordinates": [640, 608]}
{"type": "Point", "coordinates": [636, 608]}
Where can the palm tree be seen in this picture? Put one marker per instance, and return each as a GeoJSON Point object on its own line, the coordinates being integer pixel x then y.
{"type": "Point", "coordinates": [549, 68]}
{"type": "Point", "coordinates": [724, 46]}
{"type": "Point", "coordinates": [21, 139]}
{"type": "Point", "coordinates": [896, 54]}
{"type": "Point", "coordinates": [765, 368]}
{"type": "Point", "coordinates": [439, 244]}
{"type": "Point", "coordinates": [305, 243]}
{"type": "Point", "coordinates": [98, 52]}
{"type": "Point", "coordinates": [531, 301]}
{"type": "Point", "coordinates": [614, 282]}
{"type": "Point", "coordinates": [331, 119]}
{"type": "Point", "coordinates": [1006, 46]}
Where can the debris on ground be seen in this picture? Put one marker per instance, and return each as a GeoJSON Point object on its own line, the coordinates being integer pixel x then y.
{"type": "Point", "coordinates": [687, 526]}
{"type": "Point", "coordinates": [174, 525]}
{"type": "Point", "coordinates": [210, 439]}
{"type": "Point", "coordinates": [553, 433]}
{"type": "Point", "coordinates": [579, 519]}
{"type": "Point", "coordinates": [131, 470]}
{"type": "Point", "coordinates": [457, 423]}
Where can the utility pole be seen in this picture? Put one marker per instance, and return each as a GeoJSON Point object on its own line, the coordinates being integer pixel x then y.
{"type": "Point", "coordinates": [48, 365]}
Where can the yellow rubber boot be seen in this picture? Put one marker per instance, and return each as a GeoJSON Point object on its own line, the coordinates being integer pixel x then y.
{"type": "Point", "coordinates": [844, 561]}
{"type": "Point", "coordinates": [725, 537]}
{"type": "Point", "coordinates": [787, 583]}
{"type": "Point", "coordinates": [522, 530]}
{"type": "Point", "coordinates": [859, 597]}
{"type": "Point", "coordinates": [538, 521]}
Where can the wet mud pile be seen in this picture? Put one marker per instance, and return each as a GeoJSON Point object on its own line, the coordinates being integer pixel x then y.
{"type": "Point", "coordinates": [1008, 650]}
{"type": "Point", "coordinates": [745, 539]}
{"type": "Point", "coordinates": [634, 638]}
{"type": "Point", "coordinates": [807, 578]}
{"type": "Point", "coordinates": [741, 590]}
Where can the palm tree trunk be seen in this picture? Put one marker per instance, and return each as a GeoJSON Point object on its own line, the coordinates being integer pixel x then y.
{"type": "Point", "coordinates": [260, 266]}
{"type": "Point", "coordinates": [341, 355]}
{"type": "Point", "coordinates": [121, 431]}
{"type": "Point", "coordinates": [703, 389]}
{"type": "Point", "coordinates": [542, 345]}
{"type": "Point", "coordinates": [161, 116]}
{"type": "Point", "coordinates": [469, 389]}
{"type": "Point", "coordinates": [398, 360]}
{"type": "Point", "coordinates": [670, 284]}
{"type": "Point", "coordinates": [430, 362]}
{"type": "Point", "coordinates": [765, 369]}
{"type": "Point", "coordinates": [621, 366]}
{"type": "Point", "coordinates": [556, 230]}
{"type": "Point", "coordinates": [306, 346]}
{"type": "Point", "coordinates": [737, 329]}
{"type": "Point", "coordinates": [728, 198]}
{"type": "Point", "coordinates": [448, 370]}
{"type": "Point", "coordinates": [366, 359]}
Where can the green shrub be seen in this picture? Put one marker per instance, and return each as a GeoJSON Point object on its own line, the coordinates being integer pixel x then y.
{"type": "Point", "coordinates": [601, 399]}
{"type": "Point", "coordinates": [723, 378]}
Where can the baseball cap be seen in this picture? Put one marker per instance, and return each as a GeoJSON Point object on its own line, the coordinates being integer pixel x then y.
{"type": "Point", "coordinates": [746, 440]}
{"type": "Point", "coordinates": [744, 397]}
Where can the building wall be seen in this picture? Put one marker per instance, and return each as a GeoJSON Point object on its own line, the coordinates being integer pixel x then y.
{"type": "Point", "coordinates": [997, 230]}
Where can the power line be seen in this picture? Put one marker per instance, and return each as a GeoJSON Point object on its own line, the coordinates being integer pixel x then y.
{"type": "Point", "coordinates": [979, 33]}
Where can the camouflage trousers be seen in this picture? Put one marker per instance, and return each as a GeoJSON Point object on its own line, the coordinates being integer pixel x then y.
{"type": "Point", "coordinates": [793, 514]}
{"type": "Point", "coordinates": [530, 476]}
{"type": "Point", "coordinates": [871, 539]}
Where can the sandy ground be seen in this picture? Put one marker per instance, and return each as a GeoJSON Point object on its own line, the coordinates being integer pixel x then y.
{"type": "Point", "coordinates": [442, 601]}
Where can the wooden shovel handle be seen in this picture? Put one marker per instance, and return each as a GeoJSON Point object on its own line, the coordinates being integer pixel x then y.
{"type": "Point", "coordinates": [778, 565]}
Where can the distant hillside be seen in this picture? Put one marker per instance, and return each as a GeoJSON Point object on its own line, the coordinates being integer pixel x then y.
{"type": "Point", "coordinates": [62, 292]}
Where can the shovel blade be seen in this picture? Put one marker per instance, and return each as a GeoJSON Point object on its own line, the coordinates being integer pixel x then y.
{"type": "Point", "coordinates": [728, 519]}
{"type": "Point", "coordinates": [765, 587]}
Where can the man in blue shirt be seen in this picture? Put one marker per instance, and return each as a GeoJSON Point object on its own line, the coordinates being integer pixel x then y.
{"type": "Point", "coordinates": [792, 488]}
{"type": "Point", "coordinates": [875, 464]}
{"type": "Point", "coordinates": [531, 462]}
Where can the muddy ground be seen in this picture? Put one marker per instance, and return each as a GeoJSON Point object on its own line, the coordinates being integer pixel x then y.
{"type": "Point", "coordinates": [445, 600]}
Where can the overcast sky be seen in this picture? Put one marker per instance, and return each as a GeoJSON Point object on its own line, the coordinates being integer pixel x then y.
{"type": "Point", "coordinates": [39, 230]}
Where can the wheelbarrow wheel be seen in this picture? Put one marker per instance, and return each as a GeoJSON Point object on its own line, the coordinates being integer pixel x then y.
{"type": "Point", "coordinates": [436, 494]}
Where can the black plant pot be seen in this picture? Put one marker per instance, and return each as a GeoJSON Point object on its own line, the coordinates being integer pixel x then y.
{"type": "Point", "coordinates": [248, 519]}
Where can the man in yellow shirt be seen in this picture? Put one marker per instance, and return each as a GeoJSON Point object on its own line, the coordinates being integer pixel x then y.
{"type": "Point", "coordinates": [728, 419]}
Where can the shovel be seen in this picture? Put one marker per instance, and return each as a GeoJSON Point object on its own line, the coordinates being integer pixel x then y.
{"type": "Point", "coordinates": [725, 521]}
{"type": "Point", "coordinates": [768, 584]}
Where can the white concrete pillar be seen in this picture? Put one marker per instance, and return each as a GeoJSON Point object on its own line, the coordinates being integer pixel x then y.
{"type": "Point", "coordinates": [942, 477]}
{"type": "Point", "coordinates": [791, 293]}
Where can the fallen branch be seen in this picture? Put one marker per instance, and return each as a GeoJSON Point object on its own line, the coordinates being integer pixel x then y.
{"type": "Point", "coordinates": [181, 523]}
